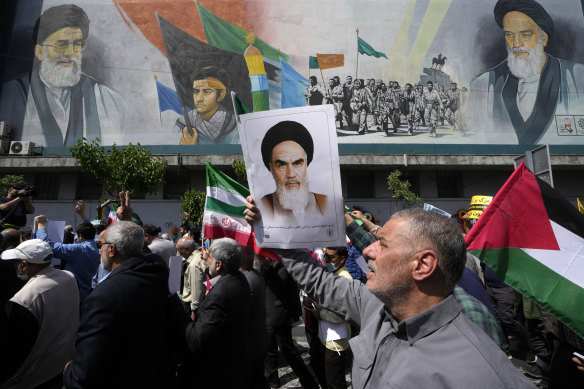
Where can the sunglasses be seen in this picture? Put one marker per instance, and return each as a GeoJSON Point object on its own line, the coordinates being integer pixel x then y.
{"type": "Point", "coordinates": [100, 244]}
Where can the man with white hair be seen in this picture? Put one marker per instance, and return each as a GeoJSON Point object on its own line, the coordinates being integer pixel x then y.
{"type": "Point", "coordinates": [219, 336]}
{"type": "Point", "coordinates": [121, 341]}
{"type": "Point", "coordinates": [517, 100]}
{"type": "Point", "coordinates": [57, 101]}
{"type": "Point", "coordinates": [287, 150]}
{"type": "Point", "coordinates": [43, 316]}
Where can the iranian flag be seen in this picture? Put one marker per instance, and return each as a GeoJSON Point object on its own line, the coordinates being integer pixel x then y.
{"type": "Point", "coordinates": [534, 239]}
{"type": "Point", "coordinates": [224, 206]}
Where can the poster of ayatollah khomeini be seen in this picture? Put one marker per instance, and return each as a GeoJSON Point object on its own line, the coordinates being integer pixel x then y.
{"type": "Point", "coordinates": [292, 162]}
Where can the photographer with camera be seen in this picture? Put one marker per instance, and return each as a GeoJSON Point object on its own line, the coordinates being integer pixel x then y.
{"type": "Point", "coordinates": [15, 206]}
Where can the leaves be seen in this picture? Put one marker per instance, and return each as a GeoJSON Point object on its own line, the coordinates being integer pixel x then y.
{"type": "Point", "coordinates": [193, 203]}
{"type": "Point", "coordinates": [401, 190]}
{"type": "Point", "coordinates": [240, 171]}
{"type": "Point", "coordinates": [9, 180]}
{"type": "Point", "coordinates": [130, 167]}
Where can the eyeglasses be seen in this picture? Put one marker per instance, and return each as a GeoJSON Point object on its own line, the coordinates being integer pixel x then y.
{"type": "Point", "coordinates": [62, 46]}
{"type": "Point", "coordinates": [100, 244]}
{"type": "Point", "coordinates": [329, 257]}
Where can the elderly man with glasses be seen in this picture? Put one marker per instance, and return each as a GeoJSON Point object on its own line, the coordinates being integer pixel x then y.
{"type": "Point", "coordinates": [57, 104]}
{"type": "Point", "coordinates": [122, 335]}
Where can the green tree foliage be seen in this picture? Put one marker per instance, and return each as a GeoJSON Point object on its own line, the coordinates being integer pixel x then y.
{"type": "Point", "coordinates": [401, 190]}
{"type": "Point", "coordinates": [9, 180]}
{"type": "Point", "coordinates": [193, 203]}
{"type": "Point", "coordinates": [240, 172]}
{"type": "Point", "coordinates": [130, 167]}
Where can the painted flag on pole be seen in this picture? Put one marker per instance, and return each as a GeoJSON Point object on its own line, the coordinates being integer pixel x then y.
{"type": "Point", "coordinates": [230, 37]}
{"type": "Point", "coordinates": [365, 48]}
{"type": "Point", "coordinates": [313, 62]}
{"type": "Point", "coordinates": [168, 99]}
{"type": "Point", "coordinates": [223, 215]}
{"type": "Point", "coordinates": [329, 61]}
{"type": "Point", "coordinates": [534, 239]}
{"type": "Point", "coordinates": [293, 87]}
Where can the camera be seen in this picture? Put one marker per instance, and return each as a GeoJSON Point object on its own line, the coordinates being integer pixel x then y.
{"type": "Point", "coordinates": [28, 191]}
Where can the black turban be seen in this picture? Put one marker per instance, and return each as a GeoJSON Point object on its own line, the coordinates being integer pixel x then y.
{"type": "Point", "coordinates": [283, 131]}
{"type": "Point", "coordinates": [530, 8]}
{"type": "Point", "coordinates": [56, 18]}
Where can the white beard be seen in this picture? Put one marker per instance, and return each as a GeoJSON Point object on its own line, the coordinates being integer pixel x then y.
{"type": "Point", "coordinates": [522, 67]}
{"type": "Point", "coordinates": [59, 76]}
{"type": "Point", "coordinates": [295, 200]}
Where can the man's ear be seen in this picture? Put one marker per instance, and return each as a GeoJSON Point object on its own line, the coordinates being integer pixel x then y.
{"type": "Point", "coordinates": [544, 37]}
{"type": "Point", "coordinates": [38, 52]}
{"type": "Point", "coordinates": [222, 93]}
{"type": "Point", "coordinates": [425, 265]}
{"type": "Point", "coordinates": [111, 250]}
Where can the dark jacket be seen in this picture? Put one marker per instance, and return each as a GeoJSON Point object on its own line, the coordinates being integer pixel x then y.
{"type": "Point", "coordinates": [282, 299]}
{"type": "Point", "coordinates": [218, 339]}
{"type": "Point", "coordinates": [258, 335]}
{"type": "Point", "coordinates": [121, 338]}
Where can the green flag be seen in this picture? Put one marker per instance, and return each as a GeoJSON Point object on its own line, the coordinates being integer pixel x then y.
{"type": "Point", "coordinates": [313, 62]}
{"type": "Point", "coordinates": [365, 48]}
{"type": "Point", "coordinates": [240, 108]}
{"type": "Point", "coordinates": [230, 37]}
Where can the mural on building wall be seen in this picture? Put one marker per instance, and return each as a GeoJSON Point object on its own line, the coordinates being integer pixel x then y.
{"type": "Point", "coordinates": [397, 72]}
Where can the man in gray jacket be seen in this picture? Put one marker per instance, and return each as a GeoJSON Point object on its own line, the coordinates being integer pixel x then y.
{"type": "Point", "coordinates": [412, 331]}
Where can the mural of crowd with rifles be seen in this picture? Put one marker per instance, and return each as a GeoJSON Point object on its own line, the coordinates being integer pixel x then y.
{"type": "Point", "coordinates": [369, 105]}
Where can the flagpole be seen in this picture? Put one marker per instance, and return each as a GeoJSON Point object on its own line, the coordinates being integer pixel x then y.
{"type": "Point", "coordinates": [357, 69]}
{"type": "Point", "coordinates": [159, 113]}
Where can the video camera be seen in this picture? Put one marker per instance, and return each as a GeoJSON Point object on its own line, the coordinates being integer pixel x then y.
{"type": "Point", "coordinates": [28, 191]}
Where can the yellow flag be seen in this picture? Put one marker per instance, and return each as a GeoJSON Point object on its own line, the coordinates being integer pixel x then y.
{"type": "Point", "coordinates": [580, 206]}
{"type": "Point", "coordinates": [327, 61]}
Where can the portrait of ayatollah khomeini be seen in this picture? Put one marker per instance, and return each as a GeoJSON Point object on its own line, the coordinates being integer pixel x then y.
{"type": "Point", "coordinates": [517, 100]}
{"type": "Point", "coordinates": [287, 150]}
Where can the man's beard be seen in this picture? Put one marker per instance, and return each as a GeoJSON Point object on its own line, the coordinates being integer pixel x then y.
{"type": "Point", "coordinates": [293, 199]}
{"type": "Point", "coordinates": [522, 67]}
{"type": "Point", "coordinates": [60, 76]}
{"type": "Point", "coordinates": [106, 263]}
{"type": "Point", "coordinates": [392, 293]}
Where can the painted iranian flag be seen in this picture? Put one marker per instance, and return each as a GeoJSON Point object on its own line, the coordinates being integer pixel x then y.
{"type": "Point", "coordinates": [534, 239]}
{"type": "Point", "coordinates": [224, 206]}
{"type": "Point", "coordinates": [223, 216]}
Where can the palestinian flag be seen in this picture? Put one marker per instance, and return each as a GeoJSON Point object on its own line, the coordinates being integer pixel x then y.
{"type": "Point", "coordinates": [223, 215]}
{"type": "Point", "coordinates": [534, 239]}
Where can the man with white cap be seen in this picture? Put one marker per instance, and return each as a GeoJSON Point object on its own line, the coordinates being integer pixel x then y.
{"type": "Point", "coordinates": [42, 320]}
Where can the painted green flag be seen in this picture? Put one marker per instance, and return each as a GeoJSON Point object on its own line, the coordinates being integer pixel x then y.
{"type": "Point", "coordinates": [313, 62]}
{"type": "Point", "coordinates": [230, 37]}
{"type": "Point", "coordinates": [365, 48]}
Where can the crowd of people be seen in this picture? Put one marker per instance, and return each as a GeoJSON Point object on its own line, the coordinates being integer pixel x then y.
{"type": "Point", "coordinates": [372, 105]}
{"type": "Point", "coordinates": [423, 312]}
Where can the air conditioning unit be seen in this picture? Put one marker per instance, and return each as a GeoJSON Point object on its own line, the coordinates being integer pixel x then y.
{"type": "Point", "coordinates": [20, 147]}
{"type": "Point", "coordinates": [5, 129]}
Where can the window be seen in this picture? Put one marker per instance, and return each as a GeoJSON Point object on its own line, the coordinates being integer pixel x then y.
{"type": "Point", "coordinates": [47, 186]}
{"type": "Point", "coordinates": [88, 188]}
{"type": "Point", "coordinates": [449, 183]}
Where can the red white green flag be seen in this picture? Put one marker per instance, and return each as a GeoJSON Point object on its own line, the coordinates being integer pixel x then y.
{"type": "Point", "coordinates": [223, 216]}
{"type": "Point", "coordinates": [534, 239]}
